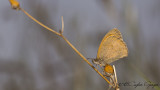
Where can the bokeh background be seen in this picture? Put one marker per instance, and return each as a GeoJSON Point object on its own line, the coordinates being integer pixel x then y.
{"type": "Point", "coordinates": [32, 58]}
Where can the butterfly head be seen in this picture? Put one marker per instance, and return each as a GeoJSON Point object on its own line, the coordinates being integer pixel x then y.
{"type": "Point", "coordinates": [98, 61]}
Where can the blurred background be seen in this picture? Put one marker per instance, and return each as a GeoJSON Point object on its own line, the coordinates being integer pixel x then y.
{"type": "Point", "coordinates": [32, 58]}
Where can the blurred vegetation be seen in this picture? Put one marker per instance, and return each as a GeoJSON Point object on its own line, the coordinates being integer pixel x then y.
{"type": "Point", "coordinates": [43, 61]}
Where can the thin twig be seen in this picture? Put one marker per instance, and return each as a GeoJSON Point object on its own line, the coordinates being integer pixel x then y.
{"type": "Point", "coordinates": [67, 42]}
{"type": "Point", "coordinates": [85, 59]}
{"type": "Point", "coordinates": [115, 76]}
{"type": "Point", "coordinates": [62, 25]}
{"type": "Point", "coordinates": [40, 22]}
{"type": "Point", "coordinates": [61, 35]}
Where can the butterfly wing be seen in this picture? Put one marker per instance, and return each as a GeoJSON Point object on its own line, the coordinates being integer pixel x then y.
{"type": "Point", "coordinates": [114, 32]}
{"type": "Point", "coordinates": [112, 47]}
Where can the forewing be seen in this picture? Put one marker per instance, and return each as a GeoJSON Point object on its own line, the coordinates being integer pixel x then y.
{"type": "Point", "coordinates": [112, 49]}
{"type": "Point", "coordinates": [114, 32]}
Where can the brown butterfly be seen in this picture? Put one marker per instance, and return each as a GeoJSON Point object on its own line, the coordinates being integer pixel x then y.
{"type": "Point", "coordinates": [111, 49]}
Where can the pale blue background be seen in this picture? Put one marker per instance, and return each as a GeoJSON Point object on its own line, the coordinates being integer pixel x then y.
{"type": "Point", "coordinates": [32, 58]}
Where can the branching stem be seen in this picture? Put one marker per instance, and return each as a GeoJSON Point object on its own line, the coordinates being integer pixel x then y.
{"type": "Point", "coordinates": [61, 35]}
{"type": "Point", "coordinates": [15, 5]}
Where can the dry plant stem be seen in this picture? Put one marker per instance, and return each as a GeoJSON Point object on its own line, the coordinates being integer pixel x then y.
{"type": "Point", "coordinates": [62, 25]}
{"type": "Point", "coordinates": [39, 22]}
{"type": "Point", "coordinates": [115, 76]}
{"type": "Point", "coordinates": [61, 35]}
{"type": "Point", "coordinates": [84, 58]}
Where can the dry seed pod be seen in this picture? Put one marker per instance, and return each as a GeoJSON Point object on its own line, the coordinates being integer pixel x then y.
{"type": "Point", "coordinates": [15, 4]}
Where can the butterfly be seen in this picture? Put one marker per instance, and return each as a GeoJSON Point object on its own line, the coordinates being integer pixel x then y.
{"type": "Point", "coordinates": [111, 48]}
